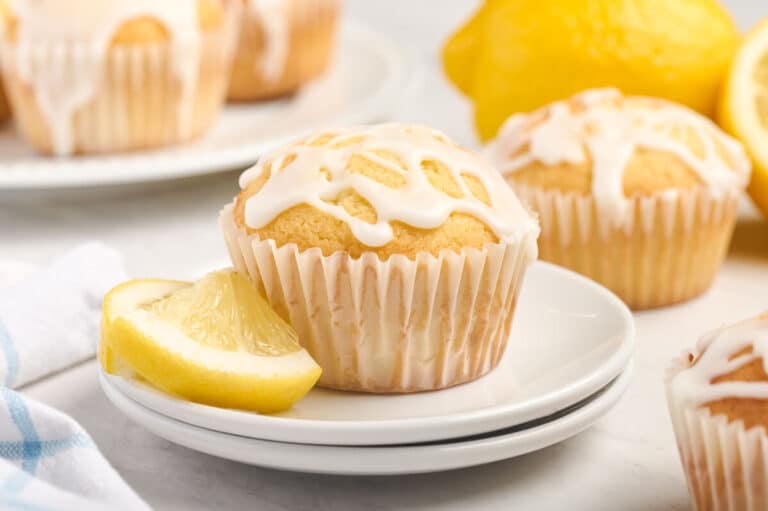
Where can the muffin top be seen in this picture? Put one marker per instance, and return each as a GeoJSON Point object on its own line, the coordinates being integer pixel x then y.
{"type": "Point", "coordinates": [387, 189]}
{"type": "Point", "coordinates": [728, 373]}
{"type": "Point", "coordinates": [102, 22]}
{"type": "Point", "coordinates": [612, 146]}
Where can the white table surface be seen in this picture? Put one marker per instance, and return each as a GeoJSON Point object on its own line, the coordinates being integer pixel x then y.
{"type": "Point", "coordinates": [627, 461]}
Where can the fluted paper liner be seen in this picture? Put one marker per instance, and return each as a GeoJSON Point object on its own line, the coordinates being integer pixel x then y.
{"type": "Point", "coordinates": [139, 101]}
{"type": "Point", "coordinates": [726, 465]}
{"type": "Point", "coordinates": [667, 250]}
{"type": "Point", "coordinates": [398, 325]}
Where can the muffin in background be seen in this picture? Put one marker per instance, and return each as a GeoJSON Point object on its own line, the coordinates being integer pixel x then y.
{"type": "Point", "coordinates": [283, 44]}
{"type": "Point", "coordinates": [5, 110]}
{"type": "Point", "coordinates": [94, 76]}
{"type": "Point", "coordinates": [718, 402]}
{"type": "Point", "coordinates": [396, 255]}
{"type": "Point", "coordinates": [637, 193]}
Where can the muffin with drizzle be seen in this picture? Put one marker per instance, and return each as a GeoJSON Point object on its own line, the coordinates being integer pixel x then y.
{"type": "Point", "coordinates": [639, 194]}
{"type": "Point", "coordinates": [283, 44]}
{"type": "Point", "coordinates": [5, 111]}
{"type": "Point", "coordinates": [718, 401]}
{"type": "Point", "coordinates": [396, 255]}
{"type": "Point", "coordinates": [91, 76]}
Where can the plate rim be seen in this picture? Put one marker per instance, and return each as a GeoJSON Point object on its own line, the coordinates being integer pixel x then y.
{"type": "Point", "coordinates": [226, 159]}
{"type": "Point", "coordinates": [434, 457]}
{"type": "Point", "coordinates": [416, 429]}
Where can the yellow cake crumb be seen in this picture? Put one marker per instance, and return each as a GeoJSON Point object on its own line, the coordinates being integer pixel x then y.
{"type": "Point", "coordinates": [309, 227]}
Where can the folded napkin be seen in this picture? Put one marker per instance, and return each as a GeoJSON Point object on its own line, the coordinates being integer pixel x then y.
{"type": "Point", "coordinates": [49, 317]}
{"type": "Point", "coordinates": [49, 320]}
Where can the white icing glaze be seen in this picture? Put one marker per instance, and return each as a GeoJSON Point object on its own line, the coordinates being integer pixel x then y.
{"type": "Point", "coordinates": [417, 203]}
{"type": "Point", "coordinates": [274, 16]}
{"type": "Point", "coordinates": [610, 135]}
{"type": "Point", "coordinates": [693, 386]}
{"type": "Point", "coordinates": [77, 33]}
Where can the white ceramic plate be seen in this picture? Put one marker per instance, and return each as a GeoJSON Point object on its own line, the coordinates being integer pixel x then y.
{"type": "Point", "coordinates": [570, 337]}
{"type": "Point", "coordinates": [362, 86]}
{"type": "Point", "coordinates": [382, 460]}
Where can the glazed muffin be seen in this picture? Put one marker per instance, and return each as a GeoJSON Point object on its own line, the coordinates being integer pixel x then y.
{"type": "Point", "coordinates": [639, 194]}
{"type": "Point", "coordinates": [5, 111]}
{"type": "Point", "coordinates": [395, 254]}
{"type": "Point", "coordinates": [283, 44]}
{"type": "Point", "coordinates": [94, 76]}
{"type": "Point", "coordinates": [718, 401]}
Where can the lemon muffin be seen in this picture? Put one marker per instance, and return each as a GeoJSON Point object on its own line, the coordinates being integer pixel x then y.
{"type": "Point", "coordinates": [395, 254]}
{"type": "Point", "coordinates": [283, 44]}
{"type": "Point", "coordinates": [637, 193]}
{"type": "Point", "coordinates": [718, 401]}
{"type": "Point", "coordinates": [5, 111]}
{"type": "Point", "coordinates": [88, 76]}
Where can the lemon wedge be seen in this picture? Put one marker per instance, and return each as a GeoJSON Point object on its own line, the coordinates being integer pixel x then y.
{"type": "Point", "coordinates": [743, 109]}
{"type": "Point", "coordinates": [215, 341]}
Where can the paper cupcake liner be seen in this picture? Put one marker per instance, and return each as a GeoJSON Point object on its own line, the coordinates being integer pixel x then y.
{"type": "Point", "coordinates": [668, 250]}
{"type": "Point", "coordinates": [139, 101]}
{"type": "Point", "coordinates": [310, 33]}
{"type": "Point", "coordinates": [726, 465]}
{"type": "Point", "coordinates": [398, 325]}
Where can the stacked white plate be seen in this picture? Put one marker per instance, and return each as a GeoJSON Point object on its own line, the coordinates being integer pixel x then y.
{"type": "Point", "coordinates": [568, 363]}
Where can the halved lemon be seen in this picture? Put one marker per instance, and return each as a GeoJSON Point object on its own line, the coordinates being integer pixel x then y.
{"type": "Point", "coordinates": [743, 108]}
{"type": "Point", "coordinates": [215, 341]}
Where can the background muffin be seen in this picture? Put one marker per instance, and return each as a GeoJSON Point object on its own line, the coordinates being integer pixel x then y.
{"type": "Point", "coordinates": [718, 400]}
{"type": "Point", "coordinates": [283, 44]}
{"type": "Point", "coordinates": [639, 194]}
{"type": "Point", "coordinates": [116, 75]}
{"type": "Point", "coordinates": [395, 254]}
{"type": "Point", "coordinates": [5, 110]}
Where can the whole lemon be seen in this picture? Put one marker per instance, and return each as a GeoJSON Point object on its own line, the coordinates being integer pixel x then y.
{"type": "Point", "coordinates": [517, 55]}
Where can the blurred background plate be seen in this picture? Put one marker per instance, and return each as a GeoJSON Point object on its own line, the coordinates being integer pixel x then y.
{"type": "Point", "coordinates": [362, 86]}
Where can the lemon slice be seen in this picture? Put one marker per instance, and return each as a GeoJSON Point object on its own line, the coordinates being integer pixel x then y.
{"type": "Point", "coordinates": [743, 107]}
{"type": "Point", "coordinates": [216, 341]}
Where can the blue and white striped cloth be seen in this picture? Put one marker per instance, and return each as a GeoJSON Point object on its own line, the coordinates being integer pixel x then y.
{"type": "Point", "coordinates": [49, 320]}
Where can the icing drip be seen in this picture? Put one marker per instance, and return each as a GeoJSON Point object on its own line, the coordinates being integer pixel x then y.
{"type": "Point", "coordinates": [609, 128]}
{"type": "Point", "coordinates": [693, 385]}
{"type": "Point", "coordinates": [274, 18]}
{"type": "Point", "coordinates": [316, 173]}
{"type": "Point", "coordinates": [78, 34]}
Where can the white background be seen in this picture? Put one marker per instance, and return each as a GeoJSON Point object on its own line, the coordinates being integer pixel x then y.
{"type": "Point", "coordinates": [628, 461]}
